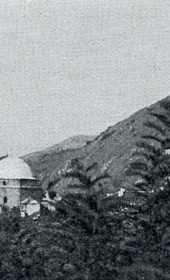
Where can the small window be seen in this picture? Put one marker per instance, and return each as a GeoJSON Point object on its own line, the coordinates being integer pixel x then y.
{"type": "Point", "coordinates": [4, 183]}
{"type": "Point", "coordinates": [5, 199]}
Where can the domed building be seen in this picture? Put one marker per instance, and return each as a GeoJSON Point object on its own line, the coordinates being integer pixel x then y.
{"type": "Point", "coordinates": [17, 182]}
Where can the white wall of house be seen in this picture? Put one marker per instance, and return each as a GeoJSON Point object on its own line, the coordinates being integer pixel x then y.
{"type": "Point", "coordinates": [10, 192]}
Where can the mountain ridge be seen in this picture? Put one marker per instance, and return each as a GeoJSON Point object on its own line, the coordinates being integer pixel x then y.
{"type": "Point", "coordinates": [117, 147]}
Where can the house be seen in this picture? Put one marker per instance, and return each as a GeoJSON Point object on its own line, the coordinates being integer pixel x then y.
{"type": "Point", "coordinates": [17, 182]}
{"type": "Point", "coordinates": [29, 207]}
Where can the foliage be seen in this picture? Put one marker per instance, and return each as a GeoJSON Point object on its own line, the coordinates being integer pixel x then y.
{"type": "Point", "coordinates": [10, 220]}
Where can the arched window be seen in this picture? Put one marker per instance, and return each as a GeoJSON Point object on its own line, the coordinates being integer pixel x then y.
{"type": "Point", "coordinates": [4, 183]}
{"type": "Point", "coordinates": [5, 199]}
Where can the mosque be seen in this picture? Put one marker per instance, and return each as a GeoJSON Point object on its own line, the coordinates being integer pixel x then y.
{"type": "Point", "coordinates": [17, 183]}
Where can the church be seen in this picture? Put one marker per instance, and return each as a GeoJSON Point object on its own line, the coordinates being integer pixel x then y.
{"type": "Point", "coordinates": [17, 183]}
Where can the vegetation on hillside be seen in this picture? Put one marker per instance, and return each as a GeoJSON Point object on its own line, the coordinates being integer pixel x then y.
{"type": "Point", "coordinates": [113, 149]}
{"type": "Point", "coordinates": [81, 241]}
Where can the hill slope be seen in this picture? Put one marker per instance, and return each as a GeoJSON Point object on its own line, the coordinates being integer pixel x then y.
{"type": "Point", "coordinates": [44, 162]}
{"type": "Point", "coordinates": [122, 149]}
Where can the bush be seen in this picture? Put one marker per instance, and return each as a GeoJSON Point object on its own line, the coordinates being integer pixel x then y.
{"type": "Point", "coordinates": [142, 271]}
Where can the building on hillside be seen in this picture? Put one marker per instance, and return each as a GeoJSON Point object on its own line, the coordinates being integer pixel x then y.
{"type": "Point", "coordinates": [29, 207]}
{"type": "Point", "coordinates": [17, 183]}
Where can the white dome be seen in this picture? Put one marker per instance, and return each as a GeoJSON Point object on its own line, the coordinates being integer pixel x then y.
{"type": "Point", "coordinates": [15, 168]}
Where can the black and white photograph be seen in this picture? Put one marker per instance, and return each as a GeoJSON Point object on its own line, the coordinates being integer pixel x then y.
{"type": "Point", "coordinates": [85, 140]}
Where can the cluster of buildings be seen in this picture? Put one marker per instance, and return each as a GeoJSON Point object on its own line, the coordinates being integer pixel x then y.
{"type": "Point", "coordinates": [19, 188]}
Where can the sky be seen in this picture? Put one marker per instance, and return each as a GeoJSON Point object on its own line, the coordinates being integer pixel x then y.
{"type": "Point", "coordinates": [71, 67]}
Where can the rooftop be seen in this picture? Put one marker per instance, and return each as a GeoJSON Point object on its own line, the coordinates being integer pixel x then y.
{"type": "Point", "coordinates": [15, 168]}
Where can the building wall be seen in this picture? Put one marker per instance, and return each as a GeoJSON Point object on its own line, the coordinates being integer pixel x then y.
{"type": "Point", "coordinates": [34, 193]}
{"type": "Point", "coordinates": [30, 188]}
{"type": "Point", "coordinates": [10, 193]}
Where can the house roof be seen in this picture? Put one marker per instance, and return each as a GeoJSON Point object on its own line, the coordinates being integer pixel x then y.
{"type": "Point", "coordinates": [15, 168]}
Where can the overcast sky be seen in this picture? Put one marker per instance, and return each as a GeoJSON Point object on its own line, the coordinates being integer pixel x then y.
{"type": "Point", "coordinates": [70, 67]}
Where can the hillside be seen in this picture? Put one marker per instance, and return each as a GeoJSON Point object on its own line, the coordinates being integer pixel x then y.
{"type": "Point", "coordinates": [121, 149]}
{"type": "Point", "coordinates": [44, 162]}
{"type": "Point", "coordinates": [84, 239]}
